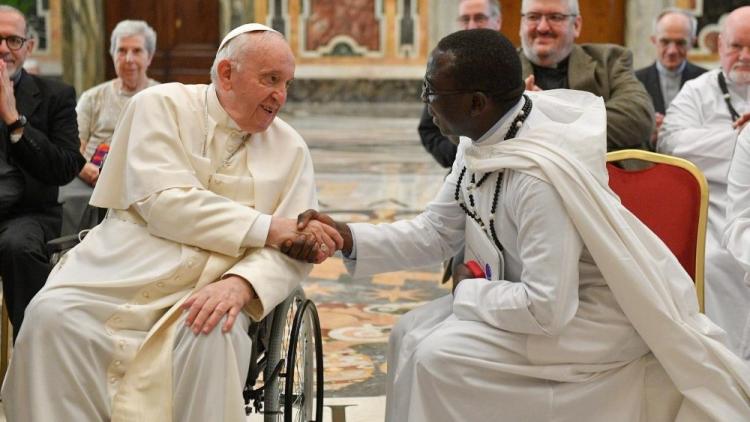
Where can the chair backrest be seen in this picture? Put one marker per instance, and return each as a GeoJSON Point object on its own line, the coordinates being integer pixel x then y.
{"type": "Point", "coordinates": [670, 196]}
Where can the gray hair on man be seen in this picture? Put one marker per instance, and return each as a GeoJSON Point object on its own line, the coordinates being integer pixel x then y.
{"type": "Point", "coordinates": [10, 9]}
{"type": "Point", "coordinates": [573, 8]}
{"type": "Point", "coordinates": [692, 21]}
{"type": "Point", "coordinates": [495, 7]}
{"type": "Point", "coordinates": [129, 28]}
{"type": "Point", "coordinates": [236, 48]}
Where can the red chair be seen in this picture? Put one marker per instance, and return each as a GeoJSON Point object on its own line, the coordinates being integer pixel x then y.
{"type": "Point", "coordinates": [670, 196]}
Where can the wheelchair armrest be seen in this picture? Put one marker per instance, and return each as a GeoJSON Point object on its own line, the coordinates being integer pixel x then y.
{"type": "Point", "coordinates": [62, 243]}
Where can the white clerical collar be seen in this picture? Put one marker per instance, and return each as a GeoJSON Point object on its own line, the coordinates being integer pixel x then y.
{"type": "Point", "coordinates": [503, 124]}
{"type": "Point", "coordinates": [217, 113]}
{"type": "Point", "coordinates": [673, 73]}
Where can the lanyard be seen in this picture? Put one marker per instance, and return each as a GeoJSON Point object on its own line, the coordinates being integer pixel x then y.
{"type": "Point", "coordinates": [725, 91]}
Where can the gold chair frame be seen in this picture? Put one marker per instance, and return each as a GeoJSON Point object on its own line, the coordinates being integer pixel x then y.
{"type": "Point", "coordinates": [700, 249]}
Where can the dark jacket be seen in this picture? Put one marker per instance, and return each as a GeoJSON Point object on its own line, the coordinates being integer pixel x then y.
{"type": "Point", "coordinates": [605, 70]}
{"type": "Point", "coordinates": [649, 77]}
{"type": "Point", "coordinates": [48, 154]}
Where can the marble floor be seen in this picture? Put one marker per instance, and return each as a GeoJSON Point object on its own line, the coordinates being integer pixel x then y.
{"type": "Point", "coordinates": [370, 166]}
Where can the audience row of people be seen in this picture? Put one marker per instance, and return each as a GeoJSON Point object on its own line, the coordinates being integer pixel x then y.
{"type": "Point", "coordinates": [579, 315]}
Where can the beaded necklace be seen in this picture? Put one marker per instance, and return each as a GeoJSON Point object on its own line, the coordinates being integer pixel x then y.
{"type": "Point", "coordinates": [512, 131]}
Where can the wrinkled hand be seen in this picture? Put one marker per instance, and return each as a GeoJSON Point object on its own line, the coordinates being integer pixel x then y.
{"type": "Point", "coordinates": [296, 247]}
{"type": "Point", "coordinates": [531, 84]}
{"type": "Point", "coordinates": [89, 174]}
{"type": "Point", "coordinates": [8, 112]}
{"type": "Point", "coordinates": [312, 243]}
{"type": "Point", "coordinates": [740, 123]}
{"type": "Point", "coordinates": [207, 306]}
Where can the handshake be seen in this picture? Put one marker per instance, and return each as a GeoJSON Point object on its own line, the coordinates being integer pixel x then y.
{"type": "Point", "coordinates": [312, 238]}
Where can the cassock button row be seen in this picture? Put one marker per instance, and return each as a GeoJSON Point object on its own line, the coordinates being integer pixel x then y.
{"type": "Point", "coordinates": [121, 343]}
{"type": "Point", "coordinates": [160, 284]}
{"type": "Point", "coordinates": [146, 294]}
{"type": "Point", "coordinates": [118, 363]}
{"type": "Point", "coordinates": [113, 380]}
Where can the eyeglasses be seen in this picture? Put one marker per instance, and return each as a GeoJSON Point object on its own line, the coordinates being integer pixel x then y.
{"type": "Point", "coordinates": [14, 42]}
{"type": "Point", "coordinates": [429, 94]}
{"type": "Point", "coordinates": [552, 18]}
{"type": "Point", "coordinates": [479, 18]}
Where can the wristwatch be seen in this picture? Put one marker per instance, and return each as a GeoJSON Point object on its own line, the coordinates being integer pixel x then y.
{"type": "Point", "coordinates": [18, 124]}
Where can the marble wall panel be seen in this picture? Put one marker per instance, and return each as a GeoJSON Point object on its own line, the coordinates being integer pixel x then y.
{"type": "Point", "coordinates": [342, 27]}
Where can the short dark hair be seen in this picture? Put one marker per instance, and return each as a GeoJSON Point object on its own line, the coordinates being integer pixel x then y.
{"type": "Point", "coordinates": [484, 60]}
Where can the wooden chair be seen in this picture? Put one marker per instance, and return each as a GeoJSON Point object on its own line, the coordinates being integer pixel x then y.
{"type": "Point", "coordinates": [670, 196]}
{"type": "Point", "coordinates": [5, 340]}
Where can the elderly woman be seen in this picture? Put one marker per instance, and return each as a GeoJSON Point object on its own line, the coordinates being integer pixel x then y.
{"type": "Point", "coordinates": [133, 43]}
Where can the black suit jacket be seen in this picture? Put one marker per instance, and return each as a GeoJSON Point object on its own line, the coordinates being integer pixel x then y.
{"type": "Point", "coordinates": [649, 77]}
{"type": "Point", "coordinates": [48, 154]}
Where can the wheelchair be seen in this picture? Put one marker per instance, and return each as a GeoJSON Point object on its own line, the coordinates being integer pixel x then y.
{"type": "Point", "coordinates": [285, 377]}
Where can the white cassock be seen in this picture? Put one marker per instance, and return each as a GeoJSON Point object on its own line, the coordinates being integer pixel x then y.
{"type": "Point", "coordinates": [595, 319]}
{"type": "Point", "coordinates": [190, 198]}
{"type": "Point", "coordinates": [737, 233]}
{"type": "Point", "coordinates": [698, 128]}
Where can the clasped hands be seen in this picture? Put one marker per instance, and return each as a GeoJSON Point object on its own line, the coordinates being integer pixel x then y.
{"type": "Point", "coordinates": [313, 237]}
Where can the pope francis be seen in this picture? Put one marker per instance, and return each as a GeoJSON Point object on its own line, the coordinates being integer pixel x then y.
{"type": "Point", "coordinates": [146, 319]}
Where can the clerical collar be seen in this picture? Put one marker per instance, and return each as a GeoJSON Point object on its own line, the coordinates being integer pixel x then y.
{"type": "Point", "coordinates": [504, 123]}
{"type": "Point", "coordinates": [552, 77]}
{"type": "Point", "coordinates": [664, 71]}
{"type": "Point", "coordinates": [217, 112]}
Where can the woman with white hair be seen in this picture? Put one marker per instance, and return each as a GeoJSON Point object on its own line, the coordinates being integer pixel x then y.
{"type": "Point", "coordinates": [133, 43]}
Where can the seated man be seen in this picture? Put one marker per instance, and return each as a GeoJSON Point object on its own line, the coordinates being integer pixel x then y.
{"type": "Point", "coordinates": [38, 152]}
{"type": "Point", "coordinates": [582, 325]}
{"type": "Point", "coordinates": [200, 182]}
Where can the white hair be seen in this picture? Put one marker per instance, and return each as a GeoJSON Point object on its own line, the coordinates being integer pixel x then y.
{"type": "Point", "coordinates": [572, 6]}
{"type": "Point", "coordinates": [236, 48]}
{"type": "Point", "coordinates": [130, 28]}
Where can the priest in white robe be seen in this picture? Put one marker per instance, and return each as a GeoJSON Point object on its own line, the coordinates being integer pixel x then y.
{"type": "Point", "coordinates": [737, 232]}
{"type": "Point", "coordinates": [701, 126]}
{"type": "Point", "coordinates": [146, 319]}
{"type": "Point", "coordinates": [593, 319]}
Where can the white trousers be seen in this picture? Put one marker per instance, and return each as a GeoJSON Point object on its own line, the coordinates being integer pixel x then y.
{"type": "Point", "coordinates": [59, 367]}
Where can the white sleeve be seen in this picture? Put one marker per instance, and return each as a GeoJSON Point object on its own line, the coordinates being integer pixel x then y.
{"type": "Point", "coordinates": [432, 237]}
{"type": "Point", "coordinates": [737, 233]}
{"type": "Point", "coordinates": [689, 133]}
{"type": "Point", "coordinates": [549, 248]}
{"type": "Point", "coordinates": [202, 218]}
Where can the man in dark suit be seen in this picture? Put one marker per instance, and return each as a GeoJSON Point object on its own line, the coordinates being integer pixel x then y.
{"type": "Point", "coordinates": [674, 33]}
{"type": "Point", "coordinates": [39, 133]}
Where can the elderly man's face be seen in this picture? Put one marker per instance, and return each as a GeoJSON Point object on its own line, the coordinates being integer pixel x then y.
{"type": "Point", "coordinates": [548, 31]}
{"type": "Point", "coordinates": [259, 82]}
{"type": "Point", "coordinates": [672, 40]}
{"type": "Point", "coordinates": [131, 60]}
{"type": "Point", "coordinates": [473, 14]}
{"type": "Point", "coordinates": [734, 48]}
{"type": "Point", "coordinates": [447, 103]}
{"type": "Point", "coordinates": [13, 25]}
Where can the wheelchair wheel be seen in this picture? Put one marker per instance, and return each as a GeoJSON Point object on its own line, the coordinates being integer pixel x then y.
{"type": "Point", "coordinates": [303, 395]}
{"type": "Point", "coordinates": [274, 373]}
